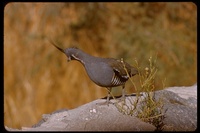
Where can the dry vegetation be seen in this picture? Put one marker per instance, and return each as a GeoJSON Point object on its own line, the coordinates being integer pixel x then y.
{"type": "Point", "coordinates": [145, 106]}
{"type": "Point", "coordinates": [39, 80]}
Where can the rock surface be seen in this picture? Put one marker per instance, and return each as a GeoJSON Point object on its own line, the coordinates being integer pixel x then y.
{"type": "Point", "coordinates": [180, 104]}
{"type": "Point", "coordinates": [91, 117]}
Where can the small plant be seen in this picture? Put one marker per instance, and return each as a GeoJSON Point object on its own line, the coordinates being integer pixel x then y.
{"type": "Point", "coordinates": [144, 105]}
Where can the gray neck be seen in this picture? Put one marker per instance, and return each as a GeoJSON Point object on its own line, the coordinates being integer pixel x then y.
{"type": "Point", "coordinates": [79, 55]}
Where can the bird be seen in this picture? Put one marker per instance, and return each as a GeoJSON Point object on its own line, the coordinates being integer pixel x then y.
{"type": "Point", "coordinates": [104, 72]}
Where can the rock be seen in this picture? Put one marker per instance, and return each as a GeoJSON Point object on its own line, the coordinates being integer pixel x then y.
{"type": "Point", "coordinates": [92, 117]}
{"type": "Point", "coordinates": [179, 103]}
{"type": "Point", "coordinates": [46, 116]}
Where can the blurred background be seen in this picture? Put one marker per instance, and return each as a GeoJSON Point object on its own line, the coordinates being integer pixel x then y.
{"type": "Point", "coordinates": [39, 80]}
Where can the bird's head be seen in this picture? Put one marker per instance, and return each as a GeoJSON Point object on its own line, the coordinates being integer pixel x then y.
{"type": "Point", "coordinates": [72, 53]}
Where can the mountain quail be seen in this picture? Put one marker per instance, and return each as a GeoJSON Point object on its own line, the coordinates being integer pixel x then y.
{"type": "Point", "coordinates": [105, 72]}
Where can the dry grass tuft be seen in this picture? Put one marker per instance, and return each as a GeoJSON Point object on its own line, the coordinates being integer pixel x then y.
{"type": "Point", "coordinates": [145, 106]}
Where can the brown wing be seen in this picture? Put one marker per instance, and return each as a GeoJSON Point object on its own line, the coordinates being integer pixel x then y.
{"type": "Point", "coordinates": [120, 68]}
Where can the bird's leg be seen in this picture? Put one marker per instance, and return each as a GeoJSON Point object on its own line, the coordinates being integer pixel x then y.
{"type": "Point", "coordinates": [108, 98]}
{"type": "Point", "coordinates": [123, 93]}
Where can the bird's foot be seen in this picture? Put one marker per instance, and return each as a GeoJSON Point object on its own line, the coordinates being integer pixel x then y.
{"type": "Point", "coordinates": [121, 99]}
{"type": "Point", "coordinates": [105, 103]}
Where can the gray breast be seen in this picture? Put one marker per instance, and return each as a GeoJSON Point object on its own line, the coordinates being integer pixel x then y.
{"type": "Point", "coordinates": [100, 73]}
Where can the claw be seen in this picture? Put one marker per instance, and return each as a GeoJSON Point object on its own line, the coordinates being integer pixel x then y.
{"type": "Point", "coordinates": [105, 103]}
